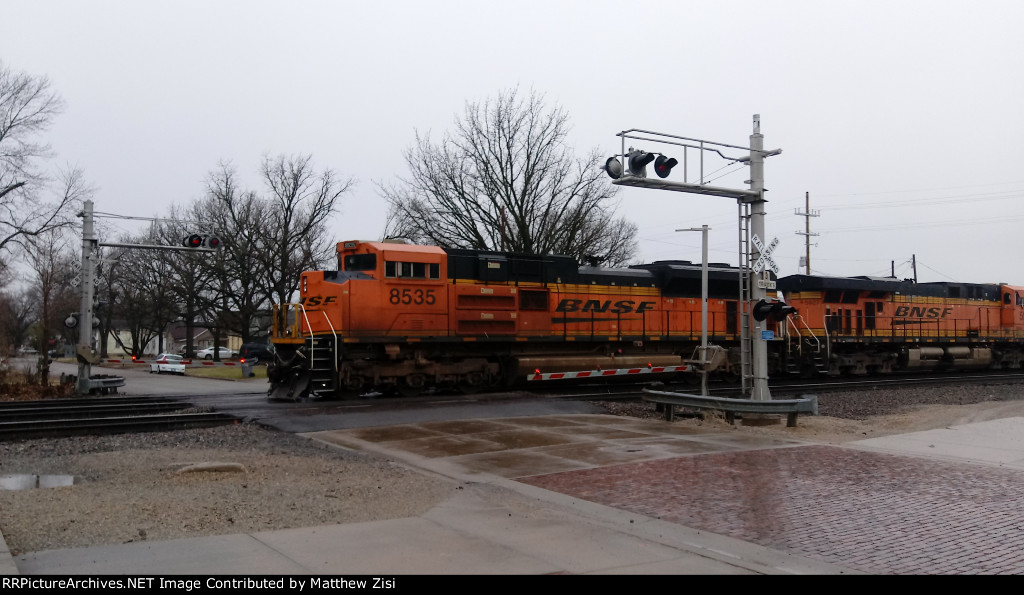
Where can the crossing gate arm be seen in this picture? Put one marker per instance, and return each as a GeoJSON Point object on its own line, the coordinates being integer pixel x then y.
{"type": "Point", "coordinates": [790, 407]}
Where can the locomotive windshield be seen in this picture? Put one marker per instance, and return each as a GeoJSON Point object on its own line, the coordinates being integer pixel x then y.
{"type": "Point", "coordinates": [360, 262]}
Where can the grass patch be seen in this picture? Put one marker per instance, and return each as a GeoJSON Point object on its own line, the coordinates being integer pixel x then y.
{"type": "Point", "coordinates": [226, 372]}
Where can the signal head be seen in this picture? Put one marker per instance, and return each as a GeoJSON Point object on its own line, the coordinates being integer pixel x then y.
{"type": "Point", "coordinates": [777, 311]}
{"type": "Point", "coordinates": [663, 165]}
{"type": "Point", "coordinates": [212, 242]}
{"type": "Point", "coordinates": [638, 161]}
{"type": "Point", "coordinates": [613, 167]}
{"type": "Point", "coordinates": [761, 310]}
{"type": "Point", "coordinates": [193, 241]}
{"type": "Point", "coordinates": [781, 310]}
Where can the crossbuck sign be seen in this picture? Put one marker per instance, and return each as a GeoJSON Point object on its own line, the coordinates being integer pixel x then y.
{"type": "Point", "coordinates": [766, 255]}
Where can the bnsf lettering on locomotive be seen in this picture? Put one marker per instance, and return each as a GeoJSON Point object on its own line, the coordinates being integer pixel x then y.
{"type": "Point", "coordinates": [921, 312]}
{"type": "Point", "coordinates": [316, 300]}
{"type": "Point", "coordinates": [412, 296]}
{"type": "Point", "coordinates": [620, 307]}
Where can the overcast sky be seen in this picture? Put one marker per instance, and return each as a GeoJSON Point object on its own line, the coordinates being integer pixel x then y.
{"type": "Point", "coordinates": [901, 120]}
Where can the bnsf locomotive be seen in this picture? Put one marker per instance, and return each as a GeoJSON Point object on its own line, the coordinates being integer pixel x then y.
{"type": "Point", "coordinates": [400, 317]}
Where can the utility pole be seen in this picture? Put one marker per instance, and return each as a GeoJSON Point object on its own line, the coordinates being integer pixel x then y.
{"type": "Point", "coordinates": [807, 214]}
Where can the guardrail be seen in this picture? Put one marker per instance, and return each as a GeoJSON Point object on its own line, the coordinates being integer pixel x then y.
{"type": "Point", "coordinates": [790, 407]}
{"type": "Point", "coordinates": [104, 384]}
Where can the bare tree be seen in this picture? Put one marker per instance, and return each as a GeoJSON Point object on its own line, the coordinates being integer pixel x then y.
{"type": "Point", "coordinates": [300, 203]}
{"type": "Point", "coordinates": [505, 179]}
{"type": "Point", "coordinates": [27, 207]}
{"type": "Point", "coordinates": [52, 261]}
{"type": "Point", "coordinates": [18, 311]}
{"type": "Point", "coordinates": [189, 276]}
{"type": "Point", "coordinates": [240, 217]}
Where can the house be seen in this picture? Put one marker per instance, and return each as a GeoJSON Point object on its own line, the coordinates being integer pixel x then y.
{"type": "Point", "coordinates": [119, 341]}
{"type": "Point", "coordinates": [176, 339]}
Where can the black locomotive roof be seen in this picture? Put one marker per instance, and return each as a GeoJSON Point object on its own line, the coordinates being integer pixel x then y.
{"type": "Point", "coordinates": [493, 266]}
{"type": "Point", "coordinates": [888, 285]}
{"type": "Point", "coordinates": [682, 278]}
{"type": "Point", "coordinates": [674, 277]}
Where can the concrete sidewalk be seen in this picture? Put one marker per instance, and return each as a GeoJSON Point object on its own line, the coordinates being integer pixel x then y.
{"type": "Point", "coordinates": [486, 529]}
{"type": "Point", "coordinates": [496, 525]}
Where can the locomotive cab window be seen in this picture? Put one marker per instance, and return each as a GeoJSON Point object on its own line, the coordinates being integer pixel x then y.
{"type": "Point", "coordinates": [412, 270]}
{"type": "Point", "coordinates": [360, 262]}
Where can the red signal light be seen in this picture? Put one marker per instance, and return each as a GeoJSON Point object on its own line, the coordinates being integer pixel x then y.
{"type": "Point", "coordinates": [194, 241]}
{"type": "Point", "coordinates": [663, 166]}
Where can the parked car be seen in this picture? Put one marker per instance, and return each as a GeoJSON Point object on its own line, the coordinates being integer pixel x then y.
{"type": "Point", "coordinates": [208, 353]}
{"type": "Point", "coordinates": [167, 363]}
{"type": "Point", "coordinates": [256, 352]}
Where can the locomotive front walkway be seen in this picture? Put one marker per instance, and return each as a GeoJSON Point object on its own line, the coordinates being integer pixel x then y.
{"type": "Point", "coordinates": [598, 494]}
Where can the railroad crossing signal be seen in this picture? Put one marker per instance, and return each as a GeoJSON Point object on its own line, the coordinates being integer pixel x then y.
{"type": "Point", "coordinates": [775, 310]}
{"type": "Point", "coordinates": [765, 260]}
{"type": "Point", "coordinates": [200, 241]}
{"type": "Point", "coordinates": [637, 161]}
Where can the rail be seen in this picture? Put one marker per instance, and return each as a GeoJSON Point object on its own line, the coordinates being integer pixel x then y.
{"type": "Point", "coordinates": [790, 407]}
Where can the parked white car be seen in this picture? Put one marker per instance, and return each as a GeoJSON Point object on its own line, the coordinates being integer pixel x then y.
{"type": "Point", "coordinates": [168, 363]}
{"type": "Point", "coordinates": [207, 353]}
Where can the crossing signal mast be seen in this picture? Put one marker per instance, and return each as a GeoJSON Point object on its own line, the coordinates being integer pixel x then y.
{"type": "Point", "coordinates": [84, 319]}
{"type": "Point", "coordinates": [629, 168]}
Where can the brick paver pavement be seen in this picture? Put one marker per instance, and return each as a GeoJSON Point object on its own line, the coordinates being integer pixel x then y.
{"type": "Point", "coordinates": [877, 513]}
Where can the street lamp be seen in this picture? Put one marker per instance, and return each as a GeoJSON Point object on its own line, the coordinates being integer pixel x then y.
{"type": "Point", "coordinates": [703, 307]}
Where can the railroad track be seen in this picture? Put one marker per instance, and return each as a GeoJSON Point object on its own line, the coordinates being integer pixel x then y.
{"type": "Point", "coordinates": [58, 418]}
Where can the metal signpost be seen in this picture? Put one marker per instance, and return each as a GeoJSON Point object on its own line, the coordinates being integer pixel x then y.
{"type": "Point", "coordinates": [629, 169]}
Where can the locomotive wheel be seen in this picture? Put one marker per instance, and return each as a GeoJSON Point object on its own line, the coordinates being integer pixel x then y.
{"type": "Point", "coordinates": [353, 384]}
{"type": "Point", "coordinates": [412, 386]}
{"type": "Point", "coordinates": [472, 383]}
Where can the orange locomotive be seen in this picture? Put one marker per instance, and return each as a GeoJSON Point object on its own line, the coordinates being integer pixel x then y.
{"type": "Point", "coordinates": [404, 317]}
{"type": "Point", "coordinates": [865, 325]}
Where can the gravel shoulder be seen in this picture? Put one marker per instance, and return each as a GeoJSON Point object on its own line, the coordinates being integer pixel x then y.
{"type": "Point", "coordinates": [138, 487]}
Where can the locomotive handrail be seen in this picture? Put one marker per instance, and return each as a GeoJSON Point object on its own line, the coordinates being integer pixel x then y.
{"type": "Point", "coordinates": [312, 349]}
{"type": "Point", "coordinates": [334, 360]}
{"type": "Point", "coordinates": [790, 407]}
{"type": "Point", "coordinates": [810, 332]}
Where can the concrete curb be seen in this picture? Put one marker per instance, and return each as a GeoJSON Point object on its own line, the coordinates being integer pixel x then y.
{"type": "Point", "coordinates": [7, 566]}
